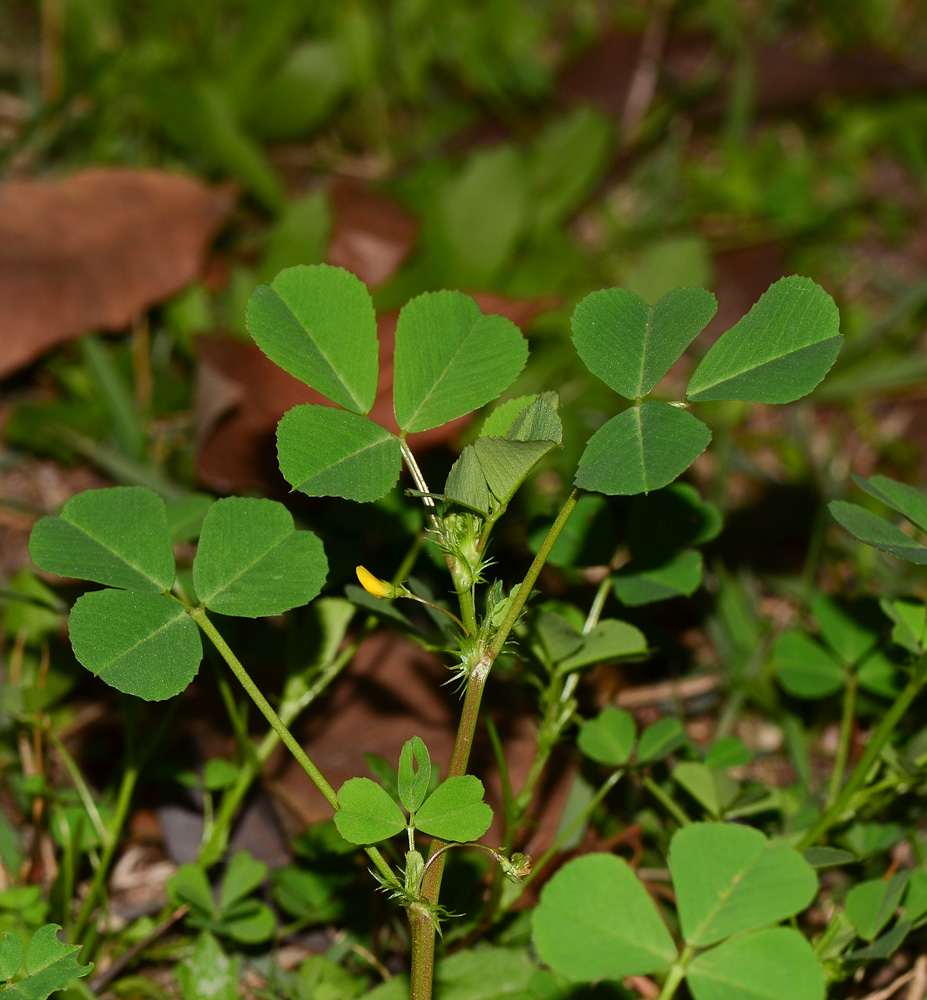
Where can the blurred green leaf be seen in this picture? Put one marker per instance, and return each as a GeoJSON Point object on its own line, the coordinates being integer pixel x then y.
{"type": "Point", "coordinates": [482, 213]}
{"type": "Point", "coordinates": [905, 500]}
{"type": "Point", "coordinates": [200, 117]}
{"type": "Point", "coordinates": [877, 532]}
{"type": "Point", "coordinates": [609, 737]}
{"type": "Point", "coordinates": [209, 973]}
{"type": "Point", "coordinates": [637, 583]}
{"type": "Point", "coordinates": [872, 903]}
{"type": "Point", "coordinates": [804, 668]}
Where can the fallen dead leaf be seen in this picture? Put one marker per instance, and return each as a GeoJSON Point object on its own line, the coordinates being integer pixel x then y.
{"type": "Point", "coordinates": [92, 250]}
{"type": "Point", "coordinates": [372, 235]}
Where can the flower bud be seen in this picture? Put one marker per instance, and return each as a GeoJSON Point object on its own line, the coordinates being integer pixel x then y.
{"type": "Point", "coordinates": [374, 585]}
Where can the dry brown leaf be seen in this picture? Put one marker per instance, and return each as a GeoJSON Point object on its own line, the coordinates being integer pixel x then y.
{"type": "Point", "coordinates": [92, 250]}
{"type": "Point", "coordinates": [372, 234]}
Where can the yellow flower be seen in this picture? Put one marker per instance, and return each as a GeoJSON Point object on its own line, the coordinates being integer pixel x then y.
{"type": "Point", "coordinates": [374, 585]}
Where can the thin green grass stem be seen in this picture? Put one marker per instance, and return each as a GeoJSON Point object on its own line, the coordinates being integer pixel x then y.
{"type": "Point", "coordinates": [598, 603]}
{"type": "Point", "coordinates": [847, 719]}
{"type": "Point", "coordinates": [215, 845]}
{"type": "Point", "coordinates": [113, 831]}
{"type": "Point", "coordinates": [537, 866]}
{"type": "Point", "coordinates": [676, 811]}
{"type": "Point", "coordinates": [534, 570]}
{"type": "Point", "coordinates": [834, 813]}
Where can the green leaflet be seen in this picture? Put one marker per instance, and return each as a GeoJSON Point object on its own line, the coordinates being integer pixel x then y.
{"type": "Point", "coordinates": [117, 536]}
{"type": "Point", "coordinates": [596, 921]}
{"type": "Point", "coordinates": [642, 449]}
{"type": "Point", "coordinates": [778, 352]}
{"type": "Point", "coordinates": [631, 345]}
{"type": "Point", "coordinates": [325, 452]}
{"type": "Point", "coordinates": [251, 560]}
{"type": "Point", "coordinates": [317, 322]}
{"type": "Point", "coordinates": [141, 644]}
{"type": "Point", "coordinates": [730, 879]}
{"type": "Point", "coordinates": [451, 359]}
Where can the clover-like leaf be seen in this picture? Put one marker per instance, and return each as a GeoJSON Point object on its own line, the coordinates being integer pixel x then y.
{"type": "Point", "coordinates": [877, 532]}
{"type": "Point", "coordinates": [366, 813]}
{"type": "Point", "coordinates": [451, 359]}
{"type": "Point", "coordinates": [778, 352]}
{"type": "Point", "coordinates": [641, 449]}
{"type": "Point", "coordinates": [317, 322]}
{"type": "Point", "coordinates": [243, 875]}
{"type": "Point", "coordinates": [116, 536]}
{"type": "Point", "coordinates": [905, 500]}
{"type": "Point", "coordinates": [141, 644]}
{"type": "Point", "coordinates": [660, 739]}
{"type": "Point", "coordinates": [455, 810]}
{"type": "Point", "coordinates": [325, 452]}
{"type": "Point", "coordinates": [731, 879]}
{"type": "Point", "coordinates": [609, 737]}
{"type": "Point", "coordinates": [610, 640]}
{"type": "Point", "coordinates": [631, 345]}
{"type": "Point", "coordinates": [251, 560]}
{"type": "Point", "coordinates": [766, 965]}
{"type": "Point", "coordinates": [50, 965]}
{"type": "Point", "coordinates": [595, 921]}
{"type": "Point", "coordinates": [208, 973]}
{"type": "Point", "coordinates": [804, 667]}
{"type": "Point", "coordinates": [414, 774]}
{"type": "Point", "coordinates": [644, 581]}
{"type": "Point", "coordinates": [11, 954]}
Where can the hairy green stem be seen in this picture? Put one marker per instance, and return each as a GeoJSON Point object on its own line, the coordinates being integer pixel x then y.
{"type": "Point", "coordinates": [834, 813]}
{"type": "Point", "coordinates": [421, 921]}
{"type": "Point", "coordinates": [467, 611]}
